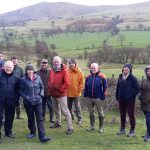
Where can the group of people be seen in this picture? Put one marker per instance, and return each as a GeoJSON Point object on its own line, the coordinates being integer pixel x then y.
{"type": "Point", "coordinates": [60, 88]}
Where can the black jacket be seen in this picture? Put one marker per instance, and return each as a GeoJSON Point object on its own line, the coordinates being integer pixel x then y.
{"type": "Point", "coordinates": [127, 89]}
{"type": "Point", "coordinates": [9, 88]}
{"type": "Point", "coordinates": [18, 71]}
{"type": "Point", "coordinates": [31, 90]}
{"type": "Point", "coordinates": [44, 74]}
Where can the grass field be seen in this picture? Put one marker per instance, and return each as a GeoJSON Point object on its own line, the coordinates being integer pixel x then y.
{"type": "Point", "coordinates": [81, 139]}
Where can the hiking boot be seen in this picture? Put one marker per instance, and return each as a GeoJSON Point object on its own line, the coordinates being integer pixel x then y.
{"type": "Point", "coordinates": [52, 123]}
{"type": "Point", "coordinates": [30, 136]}
{"type": "Point", "coordinates": [147, 139]}
{"type": "Point", "coordinates": [10, 135]}
{"type": "Point", "coordinates": [18, 117]}
{"type": "Point", "coordinates": [45, 139]}
{"type": "Point", "coordinates": [57, 125]}
{"type": "Point", "coordinates": [90, 128]}
{"type": "Point", "coordinates": [69, 131]}
{"type": "Point", "coordinates": [145, 136]}
{"type": "Point", "coordinates": [131, 133]}
{"type": "Point", "coordinates": [79, 122]}
{"type": "Point", "coordinates": [101, 130]}
{"type": "Point", "coordinates": [121, 131]}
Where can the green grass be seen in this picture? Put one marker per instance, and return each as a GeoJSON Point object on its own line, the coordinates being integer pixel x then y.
{"type": "Point", "coordinates": [81, 139]}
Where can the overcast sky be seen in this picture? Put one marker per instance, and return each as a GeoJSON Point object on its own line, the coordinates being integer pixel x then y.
{"type": "Point", "coordinates": [9, 5]}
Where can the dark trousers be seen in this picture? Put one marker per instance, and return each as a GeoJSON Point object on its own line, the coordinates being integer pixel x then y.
{"type": "Point", "coordinates": [129, 108]}
{"type": "Point", "coordinates": [147, 117]}
{"type": "Point", "coordinates": [35, 111]}
{"type": "Point", "coordinates": [47, 101]}
{"type": "Point", "coordinates": [9, 110]}
{"type": "Point", "coordinates": [76, 101]}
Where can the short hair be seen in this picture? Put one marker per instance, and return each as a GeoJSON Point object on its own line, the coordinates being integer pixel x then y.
{"type": "Point", "coordinates": [95, 65]}
{"type": "Point", "coordinates": [56, 58]}
{"type": "Point", "coordinates": [14, 57]}
{"type": "Point", "coordinates": [8, 63]}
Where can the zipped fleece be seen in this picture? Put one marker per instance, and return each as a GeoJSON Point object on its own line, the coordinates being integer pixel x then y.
{"type": "Point", "coordinates": [95, 86]}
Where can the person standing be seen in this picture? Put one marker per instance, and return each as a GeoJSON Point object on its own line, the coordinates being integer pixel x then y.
{"type": "Point", "coordinates": [75, 88]}
{"type": "Point", "coordinates": [58, 84]}
{"type": "Point", "coordinates": [9, 86]}
{"type": "Point", "coordinates": [18, 71]}
{"type": "Point", "coordinates": [145, 101]}
{"type": "Point", "coordinates": [126, 91]}
{"type": "Point", "coordinates": [32, 91]}
{"type": "Point", "coordinates": [44, 73]}
{"type": "Point", "coordinates": [1, 61]}
{"type": "Point", "coordinates": [95, 92]}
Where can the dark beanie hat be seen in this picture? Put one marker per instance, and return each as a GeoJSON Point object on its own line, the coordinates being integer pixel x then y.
{"type": "Point", "coordinates": [29, 67]}
{"type": "Point", "coordinates": [127, 65]}
{"type": "Point", "coordinates": [72, 61]}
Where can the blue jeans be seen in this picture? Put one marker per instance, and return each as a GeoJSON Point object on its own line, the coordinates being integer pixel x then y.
{"type": "Point", "coordinates": [147, 117]}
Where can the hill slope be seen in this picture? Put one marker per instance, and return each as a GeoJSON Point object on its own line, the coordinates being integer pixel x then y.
{"type": "Point", "coordinates": [62, 9]}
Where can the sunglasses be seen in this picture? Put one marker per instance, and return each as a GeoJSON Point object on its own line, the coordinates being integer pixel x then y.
{"type": "Point", "coordinates": [44, 62]}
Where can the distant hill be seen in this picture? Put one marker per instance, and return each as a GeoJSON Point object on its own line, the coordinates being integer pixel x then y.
{"type": "Point", "coordinates": [62, 9]}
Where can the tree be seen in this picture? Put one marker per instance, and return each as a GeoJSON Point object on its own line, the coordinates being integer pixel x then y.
{"type": "Point", "coordinates": [127, 27]}
{"type": "Point", "coordinates": [121, 38]}
{"type": "Point", "coordinates": [140, 26]}
{"type": "Point", "coordinates": [43, 51]}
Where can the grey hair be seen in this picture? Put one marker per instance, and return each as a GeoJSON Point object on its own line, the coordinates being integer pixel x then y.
{"type": "Point", "coordinates": [95, 65]}
{"type": "Point", "coordinates": [8, 63]}
{"type": "Point", "coordinates": [57, 58]}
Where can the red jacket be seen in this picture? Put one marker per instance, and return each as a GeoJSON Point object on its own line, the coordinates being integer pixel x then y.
{"type": "Point", "coordinates": [58, 82]}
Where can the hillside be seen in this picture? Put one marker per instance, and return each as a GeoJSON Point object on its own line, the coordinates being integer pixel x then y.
{"type": "Point", "coordinates": [54, 10]}
{"type": "Point", "coordinates": [62, 9]}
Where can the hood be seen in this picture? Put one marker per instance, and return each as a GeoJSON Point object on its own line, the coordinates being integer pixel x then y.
{"type": "Point", "coordinates": [145, 71]}
{"type": "Point", "coordinates": [63, 67]}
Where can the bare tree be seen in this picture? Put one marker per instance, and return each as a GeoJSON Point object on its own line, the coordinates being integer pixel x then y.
{"type": "Point", "coordinates": [121, 39]}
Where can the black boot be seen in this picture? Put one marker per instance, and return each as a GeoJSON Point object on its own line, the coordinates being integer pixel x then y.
{"type": "Point", "coordinates": [101, 124]}
{"type": "Point", "coordinates": [52, 122]}
{"type": "Point", "coordinates": [18, 113]}
{"type": "Point", "coordinates": [92, 123]}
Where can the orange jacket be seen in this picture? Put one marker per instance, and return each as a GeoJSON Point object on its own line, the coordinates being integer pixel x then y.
{"type": "Point", "coordinates": [58, 82]}
{"type": "Point", "coordinates": [76, 82]}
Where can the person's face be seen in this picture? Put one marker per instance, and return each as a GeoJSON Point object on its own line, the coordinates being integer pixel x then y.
{"type": "Point", "coordinates": [15, 61]}
{"type": "Point", "coordinates": [30, 73]}
{"type": "Point", "coordinates": [8, 69]}
{"type": "Point", "coordinates": [56, 63]}
{"type": "Point", "coordinates": [1, 56]}
{"type": "Point", "coordinates": [72, 65]}
{"type": "Point", "coordinates": [126, 70]}
{"type": "Point", "coordinates": [94, 69]}
{"type": "Point", "coordinates": [44, 65]}
{"type": "Point", "coordinates": [148, 72]}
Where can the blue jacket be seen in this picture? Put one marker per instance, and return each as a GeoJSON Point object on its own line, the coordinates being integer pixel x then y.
{"type": "Point", "coordinates": [9, 88]}
{"type": "Point", "coordinates": [31, 90]}
{"type": "Point", "coordinates": [95, 86]}
{"type": "Point", "coordinates": [127, 90]}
